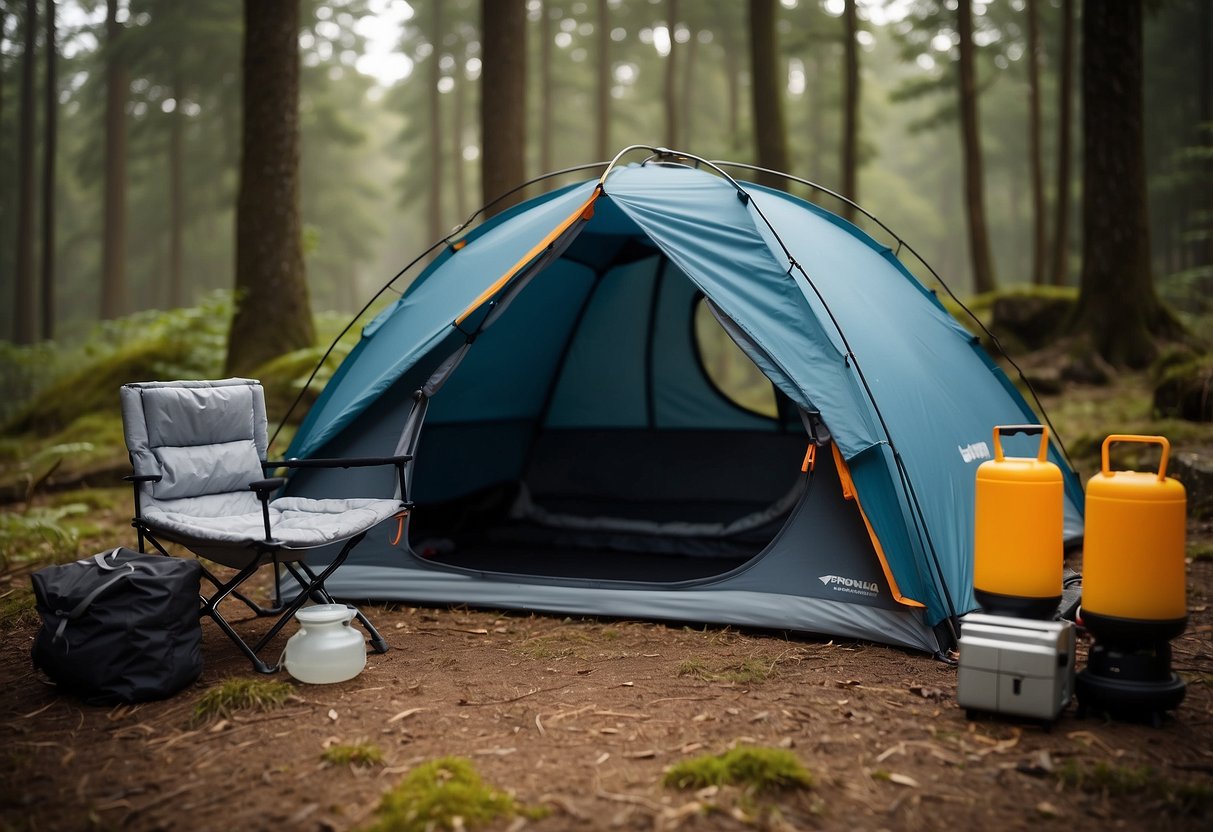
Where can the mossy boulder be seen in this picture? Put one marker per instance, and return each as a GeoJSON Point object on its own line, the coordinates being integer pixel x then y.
{"type": "Point", "coordinates": [93, 387]}
{"type": "Point", "coordinates": [1031, 318]}
{"type": "Point", "coordinates": [1183, 386]}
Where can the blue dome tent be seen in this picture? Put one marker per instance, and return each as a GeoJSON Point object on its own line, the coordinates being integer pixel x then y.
{"type": "Point", "coordinates": [577, 451]}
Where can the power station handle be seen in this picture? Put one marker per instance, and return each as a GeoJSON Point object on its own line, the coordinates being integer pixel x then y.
{"type": "Point", "coordinates": [1152, 440]}
{"type": "Point", "coordinates": [1011, 430]}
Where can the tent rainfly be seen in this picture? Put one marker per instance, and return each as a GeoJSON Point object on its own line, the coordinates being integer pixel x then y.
{"type": "Point", "coordinates": [586, 442]}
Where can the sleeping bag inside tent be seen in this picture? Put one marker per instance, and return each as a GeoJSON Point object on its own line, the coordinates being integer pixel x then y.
{"type": "Point", "coordinates": [671, 395]}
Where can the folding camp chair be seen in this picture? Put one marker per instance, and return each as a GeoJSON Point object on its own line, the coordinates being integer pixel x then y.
{"type": "Point", "coordinates": [198, 451]}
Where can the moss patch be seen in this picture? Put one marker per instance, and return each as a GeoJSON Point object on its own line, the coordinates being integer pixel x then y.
{"type": "Point", "coordinates": [1116, 782]}
{"type": "Point", "coordinates": [241, 694]}
{"type": "Point", "coordinates": [448, 794]}
{"type": "Point", "coordinates": [361, 754]}
{"type": "Point", "coordinates": [749, 671]}
{"type": "Point", "coordinates": [17, 610]}
{"type": "Point", "coordinates": [756, 770]}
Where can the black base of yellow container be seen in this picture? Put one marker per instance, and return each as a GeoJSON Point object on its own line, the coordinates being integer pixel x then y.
{"type": "Point", "coordinates": [1127, 632]}
{"type": "Point", "coordinates": [1018, 606]}
{"type": "Point", "coordinates": [1132, 685]}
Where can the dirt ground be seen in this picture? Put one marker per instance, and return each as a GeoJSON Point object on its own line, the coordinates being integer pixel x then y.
{"type": "Point", "coordinates": [583, 716]}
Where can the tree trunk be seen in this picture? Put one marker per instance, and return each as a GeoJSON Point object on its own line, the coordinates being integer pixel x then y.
{"type": "Point", "coordinates": [1204, 137]}
{"type": "Point", "coordinates": [970, 135]}
{"type": "Point", "coordinates": [602, 132]}
{"type": "Point", "coordinates": [434, 208]}
{"type": "Point", "coordinates": [686, 106]}
{"type": "Point", "coordinates": [176, 196]}
{"type": "Point", "coordinates": [1065, 92]}
{"type": "Point", "coordinates": [503, 101]}
{"type": "Point", "coordinates": [113, 279]}
{"type": "Point", "coordinates": [850, 130]}
{"type": "Point", "coordinates": [545, 91]}
{"type": "Point", "coordinates": [1117, 306]}
{"type": "Point", "coordinates": [672, 138]}
{"type": "Point", "coordinates": [273, 316]}
{"type": "Point", "coordinates": [767, 88]}
{"type": "Point", "coordinates": [458, 165]}
{"type": "Point", "coordinates": [1034, 151]}
{"type": "Point", "coordinates": [25, 304]}
{"type": "Point", "coordinates": [732, 69]}
{"type": "Point", "coordinates": [49, 143]}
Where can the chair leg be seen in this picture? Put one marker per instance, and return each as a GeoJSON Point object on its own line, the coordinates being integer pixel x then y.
{"type": "Point", "coordinates": [321, 596]}
{"type": "Point", "coordinates": [210, 608]}
{"type": "Point", "coordinates": [308, 589]}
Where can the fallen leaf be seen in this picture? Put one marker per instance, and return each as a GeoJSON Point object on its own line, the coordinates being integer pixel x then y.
{"type": "Point", "coordinates": [900, 748]}
{"type": "Point", "coordinates": [647, 754]}
{"type": "Point", "coordinates": [602, 758]}
{"type": "Point", "coordinates": [1039, 765]}
{"type": "Point", "coordinates": [1047, 809]}
{"type": "Point", "coordinates": [903, 780]}
{"type": "Point", "coordinates": [404, 715]}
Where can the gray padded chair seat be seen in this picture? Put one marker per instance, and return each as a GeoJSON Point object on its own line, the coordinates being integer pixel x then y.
{"type": "Point", "coordinates": [297, 522]}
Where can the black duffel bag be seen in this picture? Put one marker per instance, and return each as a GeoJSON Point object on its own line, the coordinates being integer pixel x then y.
{"type": "Point", "coordinates": [120, 626]}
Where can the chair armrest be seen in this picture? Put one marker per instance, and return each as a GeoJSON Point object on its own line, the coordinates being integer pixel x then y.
{"type": "Point", "coordinates": [143, 477]}
{"type": "Point", "coordinates": [351, 462]}
{"type": "Point", "coordinates": [263, 489]}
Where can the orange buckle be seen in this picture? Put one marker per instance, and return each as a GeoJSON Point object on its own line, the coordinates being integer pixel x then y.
{"type": "Point", "coordinates": [810, 459]}
{"type": "Point", "coordinates": [399, 527]}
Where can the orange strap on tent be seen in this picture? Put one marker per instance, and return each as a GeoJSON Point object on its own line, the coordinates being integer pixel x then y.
{"type": "Point", "coordinates": [399, 527]}
{"type": "Point", "coordinates": [810, 459]}
{"type": "Point", "coordinates": [849, 493]}
{"type": "Point", "coordinates": [584, 212]}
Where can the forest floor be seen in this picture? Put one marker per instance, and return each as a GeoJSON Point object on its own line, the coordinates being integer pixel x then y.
{"type": "Point", "coordinates": [581, 717]}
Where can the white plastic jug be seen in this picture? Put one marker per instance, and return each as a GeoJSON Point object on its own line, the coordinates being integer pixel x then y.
{"type": "Point", "coordinates": [326, 649]}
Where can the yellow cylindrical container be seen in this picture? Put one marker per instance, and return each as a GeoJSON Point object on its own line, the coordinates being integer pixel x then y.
{"type": "Point", "coordinates": [1017, 551]}
{"type": "Point", "coordinates": [1133, 558]}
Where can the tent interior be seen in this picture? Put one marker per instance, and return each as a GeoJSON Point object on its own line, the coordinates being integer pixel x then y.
{"type": "Point", "coordinates": [605, 426]}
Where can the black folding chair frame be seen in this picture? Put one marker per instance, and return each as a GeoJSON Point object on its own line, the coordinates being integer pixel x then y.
{"type": "Point", "coordinates": [269, 552]}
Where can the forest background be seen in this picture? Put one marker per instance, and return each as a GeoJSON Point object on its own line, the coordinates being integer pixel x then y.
{"type": "Point", "coordinates": [958, 124]}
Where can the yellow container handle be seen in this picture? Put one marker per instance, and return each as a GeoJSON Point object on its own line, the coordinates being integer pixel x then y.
{"type": "Point", "coordinates": [1011, 430]}
{"type": "Point", "coordinates": [1151, 440]}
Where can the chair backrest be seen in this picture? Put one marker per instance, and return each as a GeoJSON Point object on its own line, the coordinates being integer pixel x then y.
{"type": "Point", "coordinates": [200, 437]}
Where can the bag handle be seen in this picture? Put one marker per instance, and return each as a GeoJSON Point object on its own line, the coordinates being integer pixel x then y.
{"type": "Point", "coordinates": [123, 569]}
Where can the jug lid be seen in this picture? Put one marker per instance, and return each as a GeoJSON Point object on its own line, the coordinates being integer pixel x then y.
{"type": "Point", "coordinates": [324, 613]}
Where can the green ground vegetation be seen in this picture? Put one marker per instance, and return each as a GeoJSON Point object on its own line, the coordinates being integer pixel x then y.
{"type": "Point", "coordinates": [357, 754]}
{"type": "Point", "coordinates": [754, 770]}
{"type": "Point", "coordinates": [748, 671]}
{"type": "Point", "coordinates": [240, 694]}
{"type": "Point", "coordinates": [446, 794]}
{"type": "Point", "coordinates": [1136, 782]}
